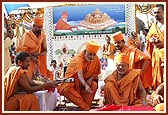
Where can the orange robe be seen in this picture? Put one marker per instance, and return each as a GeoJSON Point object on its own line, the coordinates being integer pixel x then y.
{"type": "Point", "coordinates": [157, 72]}
{"type": "Point", "coordinates": [108, 48]}
{"type": "Point", "coordinates": [43, 69]}
{"type": "Point", "coordinates": [17, 102]}
{"type": "Point", "coordinates": [124, 91]}
{"type": "Point", "coordinates": [131, 42]}
{"type": "Point", "coordinates": [62, 25]}
{"type": "Point", "coordinates": [136, 58]}
{"type": "Point", "coordinates": [75, 92]}
{"type": "Point", "coordinates": [30, 43]}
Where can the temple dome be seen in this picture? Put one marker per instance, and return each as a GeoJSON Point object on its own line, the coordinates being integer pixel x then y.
{"type": "Point", "coordinates": [97, 20]}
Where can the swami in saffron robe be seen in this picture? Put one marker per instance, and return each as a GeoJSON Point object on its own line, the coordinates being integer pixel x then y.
{"type": "Point", "coordinates": [14, 101]}
{"type": "Point", "coordinates": [30, 43]}
{"type": "Point", "coordinates": [154, 53]}
{"type": "Point", "coordinates": [124, 91]}
{"type": "Point", "coordinates": [75, 92]}
{"type": "Point", "coordinates": [136, 58]}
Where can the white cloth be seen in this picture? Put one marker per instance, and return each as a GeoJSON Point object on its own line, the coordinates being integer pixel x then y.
{"type": "Point", "coordinates": [111, 65]}
{"type": "Point", "coordinates": [53, 69]}
{"type": "Point", "coordinates": [7, 60]}
{"type": "Point", "coordinates": [47, 100]}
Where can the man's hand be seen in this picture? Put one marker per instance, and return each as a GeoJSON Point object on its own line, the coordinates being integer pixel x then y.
{"type": "Point", "coordinates": [34, 59]}
{"type": "Point", "coordinates": [89, 81]}
{"type": "Point", "coordinates": [159, 44]}
{"type": "Point", "coordinates": [88, 89]}
{"type": "Point", "coordinates": [35, 54]}
{"type": "Point", "coordinates": [156, 42]}
{"type": "Point", "coordinates": [76, 28]}
{"type": "Point", "coordinates": [157, 99]}
{"type": "Point", "coordinates": [51, 84]}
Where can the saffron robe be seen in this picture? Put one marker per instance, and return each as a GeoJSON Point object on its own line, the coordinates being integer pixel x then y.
{"type": "Point", "coordinates": [62, 25]}
{"type": "Point", "coordinates": [75, 92]}
{"type": "Point", "coordinates": [17, 102]}
{"type": "Point", "coordinates": [30, 43]}
{"type": "Point", "coordinates": [136, 58]}
{"type": "Point", "coordinates": [157, 72]}
{"type": "Point", "coordinates": [43, 68]}
{"type": "Point", "coordinates": [124, 91]}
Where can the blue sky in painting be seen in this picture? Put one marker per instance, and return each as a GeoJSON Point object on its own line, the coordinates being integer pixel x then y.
{"type": "Point", "coordinates": [77, 13]}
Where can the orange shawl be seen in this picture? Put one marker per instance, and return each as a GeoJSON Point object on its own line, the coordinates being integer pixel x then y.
{"type": "Point", "coordinates": [43, 68]}
{"type": "Point", "coordinates": [30, 43]}
{"type": "Point", "coordinates": [45, 72]}
{"type": "Point", "coordinates": [26, 101]}
{"type": "Point", "coordinates": [61, 25]}
{"type": "Point", "coordinates": [136, 60]}
{"type": "Point", "coordinates": [124, 91]}
{"type": "Point", "coordinates": [79, 63]}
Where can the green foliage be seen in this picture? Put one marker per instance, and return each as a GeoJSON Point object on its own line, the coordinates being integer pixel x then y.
{"type": "Point", "coordinates": [58, 52]}
{"type": "Point", "coordinates": [72, 51]}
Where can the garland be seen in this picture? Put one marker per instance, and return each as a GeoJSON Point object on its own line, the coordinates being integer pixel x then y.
{"type": "Point", "coordinates": [144, 8]}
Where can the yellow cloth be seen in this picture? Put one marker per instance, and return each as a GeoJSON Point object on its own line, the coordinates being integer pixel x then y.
{"type": "Point", "coordinates": [136, 58]}
{"type": "Point", "coordinates": [118, 36]}
{"type": "Point", "coordinates": [153, 31]}
{"type": "Point", "coordinates": [159, 107]}
{"type": "Point", "coordinates": [38, 21]}
{"type": "Point", "coordinates": [17, 102]}
{"type": "Point", "coordinates": [108, 48]}
{"type": "Point", "coordinates": [157, 71]}
{"type": "Point", "coordinates": [161, 54]}
{"type": "Point", "coordinates": [124, 91]}
{"type": "Point", "coordinates": [7, 60]}
{"type": "Point", "coordinates": [92, 47]}
{"type": "Point", "coordinates": [75, 92]}
{"type": "Point", "coordinates": [121, 58]}
{"type": "Point", "coordinates": [30, 43]}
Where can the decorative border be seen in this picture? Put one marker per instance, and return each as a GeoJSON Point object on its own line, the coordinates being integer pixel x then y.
{"type": "Point", "coordinates": [130, 18]}
{"type": "Point", "coordinates": [48, 17]}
